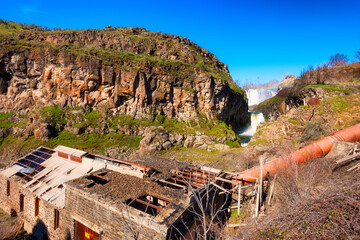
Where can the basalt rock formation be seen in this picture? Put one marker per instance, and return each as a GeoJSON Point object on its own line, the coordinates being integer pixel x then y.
{"type": "Point", "coordinates": [126, 70]}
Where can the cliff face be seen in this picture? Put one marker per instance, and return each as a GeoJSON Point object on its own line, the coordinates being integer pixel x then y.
{"type": "Point", "coordinates": [127, 70]}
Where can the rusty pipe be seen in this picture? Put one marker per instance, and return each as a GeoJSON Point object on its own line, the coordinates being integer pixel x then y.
{"type": "Point", "coordinates": [314, 150]}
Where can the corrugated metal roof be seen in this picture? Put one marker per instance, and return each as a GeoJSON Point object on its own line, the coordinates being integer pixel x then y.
{"type": "Point", "coordinates": [52, 171]}
{"type": "Point", "coordinates": [9, 171]}
{"type": "Point", "coordinates": [44, 172]}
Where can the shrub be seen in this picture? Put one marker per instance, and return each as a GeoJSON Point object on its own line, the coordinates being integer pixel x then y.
{"type": "Point", "coordinates": [53, 115]}
{"type": "Point", "coordinates": [93, 118]}
{"type": "Point", "coordinates": [160, 118]}
{"type": "Point", "coordinates": [233, 144]}
{"type": "Point", "coordinates": [313, 130]}
{"type": "Point", "coordinates": [4, 120]}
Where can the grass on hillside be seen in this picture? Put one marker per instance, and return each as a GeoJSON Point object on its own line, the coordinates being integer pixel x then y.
{"type": "Point", "coordinates": [331, 88]}
{"type": "Point", "coordinates": [88, 142]}
{"type": "Point", "coordinates": [215, 128]}
{"type": "Point", "coordinates": [4, 120]}
{"type": "Point", "coordinates": [274, 101]}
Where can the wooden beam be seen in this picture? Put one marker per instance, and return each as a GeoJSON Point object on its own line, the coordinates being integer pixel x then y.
{"type": "Point", "coordinates": [271, 190]}
{"type": "Point", "coordinates": [261, 181]}
{"type": "Point", "coordinates": [345, 161]}
{"type": "Point", "coordinates": [171, 183]}
{"type": "Point", "coordinates": [158, 209]}
{"type": "Point", "coordinates": [193, 175]}
{"type": "Point", "coordinates": [191, 179]}
{"type": "Point", "coordinates": [221, 188]}
{"type": "Point", "coordinates": [348, 158]}
{"type": "Point", "coordinates": [194, 172]}
{"type": "Point", "coordinates": [101, 177]}
{"type": "Point", "coordinates": [180, 180]}
{"type": "Point", "coordinates": [204, 171]}
{"type": "Point", "coordinates": [225, 180]}
{"type": "Point", "coordinates": [239, 199]}
{"type": "Point", "coordinates": [356, 167]}
{"type": "Point", "coordinates": [158, 196]}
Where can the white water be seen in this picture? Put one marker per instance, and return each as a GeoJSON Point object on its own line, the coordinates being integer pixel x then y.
{"type": "Point", "coordinates": [256, 119]}
{"type": "Point", "coordinates": [256, 96]}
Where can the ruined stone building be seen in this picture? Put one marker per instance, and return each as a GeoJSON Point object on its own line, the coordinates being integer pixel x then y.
{"type": "Point", "coordinates": [64, 193]}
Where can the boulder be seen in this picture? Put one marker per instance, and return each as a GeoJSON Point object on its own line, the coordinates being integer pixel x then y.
{"type": "Point", "coordinates": [153, 140]}
{"type": "Point", "coordinates": [44, 132]}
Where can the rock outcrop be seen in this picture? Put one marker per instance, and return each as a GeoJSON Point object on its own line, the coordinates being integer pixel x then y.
{"type": "Point", "coordinates": [125, 70]}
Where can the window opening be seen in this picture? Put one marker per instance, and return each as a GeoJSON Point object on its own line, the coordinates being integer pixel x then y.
{"type": "Point", "coordinates": [22, 202]}
{"type": "Point", "coordinates": [37, 205]}
{"type": "Point", "coordinates": [8, 188]}
{"type": "Point", "coordinates": [56, 218]}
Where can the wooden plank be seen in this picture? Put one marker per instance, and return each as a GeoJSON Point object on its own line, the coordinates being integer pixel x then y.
{"type": "Point", "coordinates": [225, 180]}
{"type": "Point", "coordinates": [221, 188]}
{"type": "Point", "coordinates": [171, 183]}
{"type": "Point", "coordinates": [271, 190]}
{"type": "Point", "coordinates": [158, 196]}
{"type": "Point", "coordinates": [259, 190]}
{"type": "Point", "coordinates": [101, 177]}
{"type": "Point", "coordinates": [180, 180]}
{"type": "Point", "coordinates": [239, 199]}
{"type": "Point", "coordinates": [146, 203]}
{"type": "Point", "coordinates": [348, 158]}
{"type": "Point", "coordinates": [345, 161]}
{"type": "Point", "coordinates": [356, 167]}
{"type": "Point", "coordinates": [204, 171]}
{"type": "Point", "coordinates": [193, 175]}
{"type": "Point", "coordinates": [261, 182]}
{"type": "Point", "coordinates": [191, 179]}
{"type": "Point", "coordinates": [199, 173]}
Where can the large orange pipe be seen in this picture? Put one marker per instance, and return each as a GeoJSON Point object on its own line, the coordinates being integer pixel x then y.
{"type": "Point", "coordinates": [316, 149]}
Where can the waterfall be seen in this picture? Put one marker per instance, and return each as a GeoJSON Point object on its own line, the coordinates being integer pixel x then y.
{"type": "Point", "coordinates": [256, 96]}
{"type": "Point", "coordinates": [256, 119]}
{"type": "Point", "coordinates": [246, 134]}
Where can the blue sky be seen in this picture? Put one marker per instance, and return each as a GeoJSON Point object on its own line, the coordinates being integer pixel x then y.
{"type": "Point", "coordinates": [259, 40]}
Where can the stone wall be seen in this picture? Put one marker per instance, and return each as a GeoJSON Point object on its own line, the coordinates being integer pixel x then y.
{"type": "Point", "coordinates": [41, 226]}
{"type": "Point", "coordinates": [111, 221]}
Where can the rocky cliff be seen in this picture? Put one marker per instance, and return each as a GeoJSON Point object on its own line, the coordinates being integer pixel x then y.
{"type": "Point", "coordinates": [125, 70]}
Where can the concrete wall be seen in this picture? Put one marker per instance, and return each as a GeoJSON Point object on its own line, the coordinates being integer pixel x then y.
{"type": "Point", "coordinates": [42, 226]}
{"type": "Point", "coordinates": [110, 221]}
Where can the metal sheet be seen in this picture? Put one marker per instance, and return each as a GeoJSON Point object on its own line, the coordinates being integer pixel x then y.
{"type": "Point", "coordinates": [9, 171]}
{"type": "Point", "coordinates": [59, 199]}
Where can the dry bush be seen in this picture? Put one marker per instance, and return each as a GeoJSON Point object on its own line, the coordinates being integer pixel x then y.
{"type": "Point", "coordinates": [236, 161]}
{"type": "Point", "coordinates": [322, 74]}
{"type": "Point", "coordinates": [313, 204]}
{"type": "Point", "coordinates": [298, 183]}
{"type": "Point", "coordinates": [339, 59]}
{"type": "Point", "coordinates": [313, 130]}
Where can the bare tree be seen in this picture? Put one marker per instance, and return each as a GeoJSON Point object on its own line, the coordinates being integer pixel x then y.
{"type": "Point", "coordinates": [357, 55]}
{"type": "Point", "coordinates": [339, 59]}
{"type": "Point", "coordinates": [208, 207]}
{"type": "Point", "coordinates": [133, 227]}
